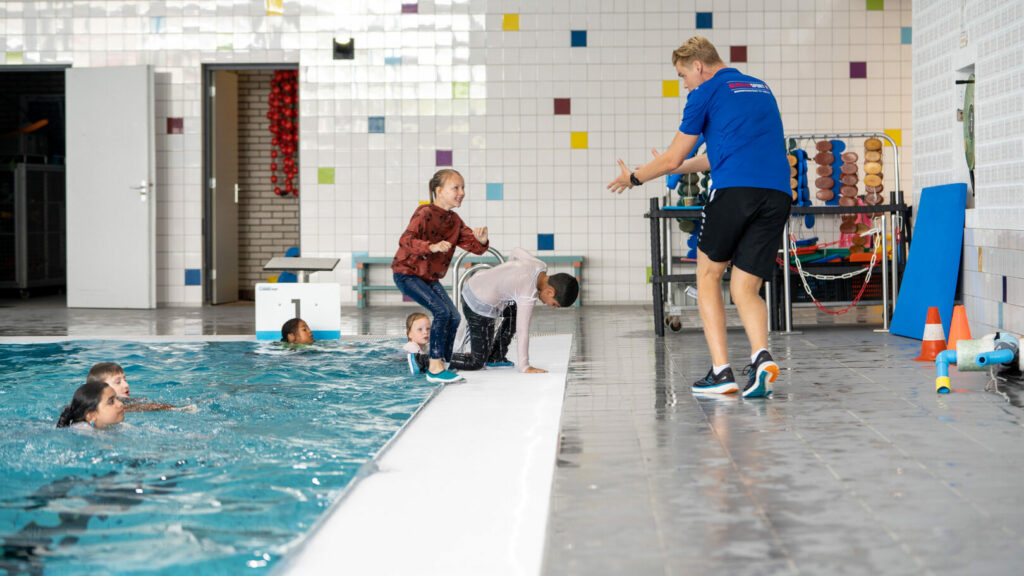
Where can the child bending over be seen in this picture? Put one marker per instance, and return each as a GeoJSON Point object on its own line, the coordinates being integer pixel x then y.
{"type": "Point", "coordinates": [509, 291]}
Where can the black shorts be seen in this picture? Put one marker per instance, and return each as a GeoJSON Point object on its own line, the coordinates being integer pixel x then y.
{"type": "Point", "coordinates": [744, 225]}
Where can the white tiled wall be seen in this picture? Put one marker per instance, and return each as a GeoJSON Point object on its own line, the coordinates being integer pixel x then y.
{"type": "Point", "coordinates": [451, 76]}
{"type": "Point", "coordinates": [949, 36]}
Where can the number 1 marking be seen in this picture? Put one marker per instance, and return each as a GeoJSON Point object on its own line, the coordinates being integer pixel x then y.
{"type": "Point", "coordinates": [298, 307]}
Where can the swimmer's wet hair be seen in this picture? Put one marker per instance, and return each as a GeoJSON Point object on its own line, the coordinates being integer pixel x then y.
{"type": "Point", "coordinates": [103, 370]}
{"type": "Point", "coordinates": [86, 399]}
{"type": "Point", "coordinates": [439, 179]}
{"type": "Point", "coordinates": [566, 289]}
{"type": "Point", "coordinates": [289, 327]}
{"type": "Point", "coordinates": [696, 48]}
{"type": "Point", "coordinates": [412, 320]}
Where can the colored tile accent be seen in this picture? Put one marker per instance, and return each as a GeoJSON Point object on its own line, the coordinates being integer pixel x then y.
{"type": "Point", "coordinates": [410, 8]}
{"type": "Point", "coordinates": [563, 106]}
{"type": "Point", "coordinates": [649, 274]}
{"type": "Point", "coordinates": [704, 20]}
{"type": "Point", "coordinates": [897, 136]}
{"type": "Point", "coordinates": [357, 254]}
{"type": "Point", "coordinates": [875, 4]}
{"type": "Point", "coordinates": [495, 191]}
{"type": "Point", "coordinates": [578, 38]}
{"type": "Point", "coordinates": [175, 125]}
{"type": "Point", "coordinates": [906, 34]}
{"type": "Point", "coordinates": [578, 140]}
{"type": "Point", "coordinates": [670, 88]}
{"type": "Point", "coordinates": [422, 202]}
{"type": "Point", "coordinates": [325, 176]}
{"type": "Point", "coordinates": [858, 69]}
{"type": "Point", "coordinates": [1004, 289]}
{"type": "Point", "coordinates": [737, 53]}
{"type": "Point", "coordinates": [545, 241]}
{"type": "Point", "coordinates": [980, 268]}
{"type": "Point", "coordinates": [275, 7]}
{"type": "Point", "coordinates": [193, 277]}
{"type": "Point", "coordinates": [156, 24]}
{"type": "Point", "coordinates": [443, 158]}
{"type": "Point", "coordinates": [460, 90]}
{"type": "Point", "coordinates": [14, 58]}
{"type": "Point", "coordinates": [510, 22]}
{"type": "Point", "coordinates": [392, 60]}
{"type": "Point", "coordinates": [376, 124]}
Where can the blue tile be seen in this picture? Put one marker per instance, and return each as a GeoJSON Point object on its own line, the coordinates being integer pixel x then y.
{"type": "Point", "coordinates": [703, 20]}
{"type": "Point", "coordinates": [579, 38]}
{"type": "Point", "coordinates": [905, 35]}
{"type": "Point", "coordinates": [354, 254]}
{"type": "Point", "coordinates": [193, 277]}
{"type": "Point", "coordinates": [392, 60]}
{"type": "Point", "coordinates": [495, 191]}
{"type": "Point", "coordinates": [376, 124]}
{"type": "Point", "coordinates": [545, 241]}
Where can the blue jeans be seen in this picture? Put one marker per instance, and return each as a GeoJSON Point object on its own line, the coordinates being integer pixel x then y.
{"type": "Point", "coordinates": [433, 297]}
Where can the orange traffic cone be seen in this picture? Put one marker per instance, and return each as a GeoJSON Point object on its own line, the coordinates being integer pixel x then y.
{"type": "Point", "coordinates": [958, 328]}
{"type": "Point", "coordinates": [934, 339]}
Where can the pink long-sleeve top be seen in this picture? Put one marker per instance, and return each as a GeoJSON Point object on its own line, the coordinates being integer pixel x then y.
{"type": "Point", "coordinates": [430, 225]}
{"type": "Point", "coordinates": [488, 292]}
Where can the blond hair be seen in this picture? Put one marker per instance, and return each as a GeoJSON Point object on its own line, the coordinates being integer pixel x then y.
{"type": "Point", "coordinates": [103, 370]}
{"type": "Point", "coordinates": [696, 48]}
{"type": "Point", "coordinates": [439, 179]}
{"type": "Point", "coordinates": [412, 320]}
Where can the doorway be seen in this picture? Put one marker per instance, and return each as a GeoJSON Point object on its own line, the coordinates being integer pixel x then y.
{"type": "Point", "coordinates": [32, 181]}
{"type": "Point", "coordinates": [245, 222]}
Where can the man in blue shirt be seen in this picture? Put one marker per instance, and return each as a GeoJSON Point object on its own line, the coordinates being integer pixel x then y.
{"type": "Point", "coordinates": [747, 209]}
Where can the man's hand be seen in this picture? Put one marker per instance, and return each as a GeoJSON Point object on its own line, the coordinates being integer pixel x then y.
{"type": "Point", "coordinates": [532, 370]}
{"type": "Point", "coordinates": [480, 234]}
{"type": "Point", "coordinates": [442, 246]}
{"type": "Point", "coordinates": [622, 181]}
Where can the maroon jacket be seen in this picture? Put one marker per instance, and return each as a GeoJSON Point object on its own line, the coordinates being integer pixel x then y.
{"type": "Point", "coordinates": [430, 225]}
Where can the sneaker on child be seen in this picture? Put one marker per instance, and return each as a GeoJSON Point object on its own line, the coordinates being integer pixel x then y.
{"type": "Point", "coordinates": [444, 377]}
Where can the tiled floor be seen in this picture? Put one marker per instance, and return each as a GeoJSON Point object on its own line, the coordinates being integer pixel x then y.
{"type": "Point", "coordinates": [855, 466]}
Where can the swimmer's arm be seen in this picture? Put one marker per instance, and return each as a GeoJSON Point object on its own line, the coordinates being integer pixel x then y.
{"type": "Point", "coordinates": [151, 407]}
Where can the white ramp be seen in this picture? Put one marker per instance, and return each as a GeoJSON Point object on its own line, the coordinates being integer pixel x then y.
{"type": "Point", "coordinates": [464, 489]}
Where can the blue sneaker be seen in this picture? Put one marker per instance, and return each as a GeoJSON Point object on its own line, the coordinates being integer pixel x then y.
{"type": "Point", "coordinates": [762, 372]}
{"type": "Point", "coordinates": [723, 383]}
{"type": "Point", "coordinates": [414, 366]}
{"type": "Point", "coordinates": [444, 377]}
{"type": "Point", "coordinates": [503, 363]}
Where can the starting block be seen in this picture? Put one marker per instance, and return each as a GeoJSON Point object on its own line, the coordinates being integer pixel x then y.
{"type": "Point", "coordinates": [318, 304]}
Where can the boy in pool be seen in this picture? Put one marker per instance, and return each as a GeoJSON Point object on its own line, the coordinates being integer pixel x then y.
{"type": "Point", "coordinates": [296, 331]}
{"type": "Point", "coordinates": [111, 374]}
{"type": "Point", "coordinates": [509, 291]}
{"type": "Point", "coordinates": [417, 329]}
{"type": "Point", "coordinates": [95, 403]}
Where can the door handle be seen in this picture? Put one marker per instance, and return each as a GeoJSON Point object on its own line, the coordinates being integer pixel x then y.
{"type": "Point", "coordinates": [143, 189]}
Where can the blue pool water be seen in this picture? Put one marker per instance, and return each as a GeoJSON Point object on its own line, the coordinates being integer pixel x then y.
{"type": "Point", "coordinates": [277, 435]}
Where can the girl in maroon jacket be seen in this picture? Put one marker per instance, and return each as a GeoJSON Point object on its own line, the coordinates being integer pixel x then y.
{"type": "Point", "coordinates": [424, 252]}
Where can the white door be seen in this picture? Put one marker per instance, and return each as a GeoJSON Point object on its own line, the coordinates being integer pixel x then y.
{"type": "Point", "coordinates": [224, 188]}
{"type": "Point", "coordinates": [111, 200]}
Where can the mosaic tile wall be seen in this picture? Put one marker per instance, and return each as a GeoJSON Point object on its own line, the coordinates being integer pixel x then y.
{"type": "Point", "coordinates": [950, 37]}
{"type": "Point", "coordinates": [532, 101]}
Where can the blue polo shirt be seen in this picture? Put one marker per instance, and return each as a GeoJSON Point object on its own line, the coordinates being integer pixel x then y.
{"type": "Point", "coordinates": [740, 120]}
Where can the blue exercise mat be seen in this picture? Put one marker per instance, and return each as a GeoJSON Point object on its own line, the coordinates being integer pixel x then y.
{"type": "Point", "coordinates": [933, 261]}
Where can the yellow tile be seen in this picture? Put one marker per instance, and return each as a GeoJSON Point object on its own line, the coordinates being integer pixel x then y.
{"type": "Point", "coordinates": [275, 7]}
{"type": "Point", "coordinates": [979, 259]}
{"type": "Point", "coordinates": [670, 88]}
{"type": "Point", "coordinates": [422, 202]}
{"type": "Point", "coordinates": [579, 140]}
{"type": "Point", "coordinates": [897, 136]}
{"type": "Point", "coordinates": [510, 22]}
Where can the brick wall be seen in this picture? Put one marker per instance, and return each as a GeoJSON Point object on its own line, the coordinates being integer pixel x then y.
{"type": "Point", "coordinates": [267, 224]}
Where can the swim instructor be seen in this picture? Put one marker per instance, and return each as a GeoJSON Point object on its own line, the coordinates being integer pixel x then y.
{"type": "Point", "coordinates": [747, 208]}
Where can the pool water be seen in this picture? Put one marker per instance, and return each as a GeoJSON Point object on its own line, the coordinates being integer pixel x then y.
{"type": "Point", "coordinates": [276, 435]}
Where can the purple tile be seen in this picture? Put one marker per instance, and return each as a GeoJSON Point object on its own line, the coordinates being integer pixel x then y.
{"type": "Point", "coordinates": [410, 8]}
{"type": "Point", "coordinates": [737, 54]}
{"type": "Point", "coordinates": [858, 69]}
{"type": "Point", "coordinates": [175, 125]}
{"type": "Point", "coordinates": [444, 158]}
{"type": "Point", "coordinates": [563, 106]}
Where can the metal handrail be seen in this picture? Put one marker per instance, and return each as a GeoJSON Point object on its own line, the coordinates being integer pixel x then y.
{"type": "Point", "coordinates": [457, 265]}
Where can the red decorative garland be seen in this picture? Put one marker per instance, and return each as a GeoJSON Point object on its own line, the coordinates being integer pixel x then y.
{"type": "Point", "coordinates": [284, 125]}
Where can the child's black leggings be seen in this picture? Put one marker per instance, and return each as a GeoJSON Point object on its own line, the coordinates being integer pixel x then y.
{"type": "Point", "coordinates": [485, 345]}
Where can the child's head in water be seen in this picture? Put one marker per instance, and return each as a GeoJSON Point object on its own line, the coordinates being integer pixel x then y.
{"type": "Point", "coordinates": [112, 374]}
{"type": "Point", "coordinates": [296, 331]}
{"type": "Point", "coordinates": [417, 328]}
{"type": "Point", "coordinates": [95, 403]}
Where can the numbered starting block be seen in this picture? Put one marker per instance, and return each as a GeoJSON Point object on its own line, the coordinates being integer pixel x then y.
{"type": "Point", "coordinates": [318, 304]}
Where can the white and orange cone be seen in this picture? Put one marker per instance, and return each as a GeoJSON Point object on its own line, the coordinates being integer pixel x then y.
{"type": "Point", "coordinates": [934, 339]}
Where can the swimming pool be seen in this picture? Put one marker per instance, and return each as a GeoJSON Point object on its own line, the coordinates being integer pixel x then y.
{"type": "Point", "coordinates": [277, 436]}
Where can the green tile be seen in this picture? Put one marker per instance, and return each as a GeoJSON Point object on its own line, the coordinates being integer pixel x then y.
{"type": "Point", "coordinates": [14, 58]}
{"type": "Point", "coordinates": [325, 176]}
{"type": "Point", "coordinates": [875, 4]}
{"type": "Point", "coordinates": [460, 90]}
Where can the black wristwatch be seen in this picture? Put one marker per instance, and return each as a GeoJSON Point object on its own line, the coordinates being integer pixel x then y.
{"type": "Point", "coordinates": [634, 180]}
